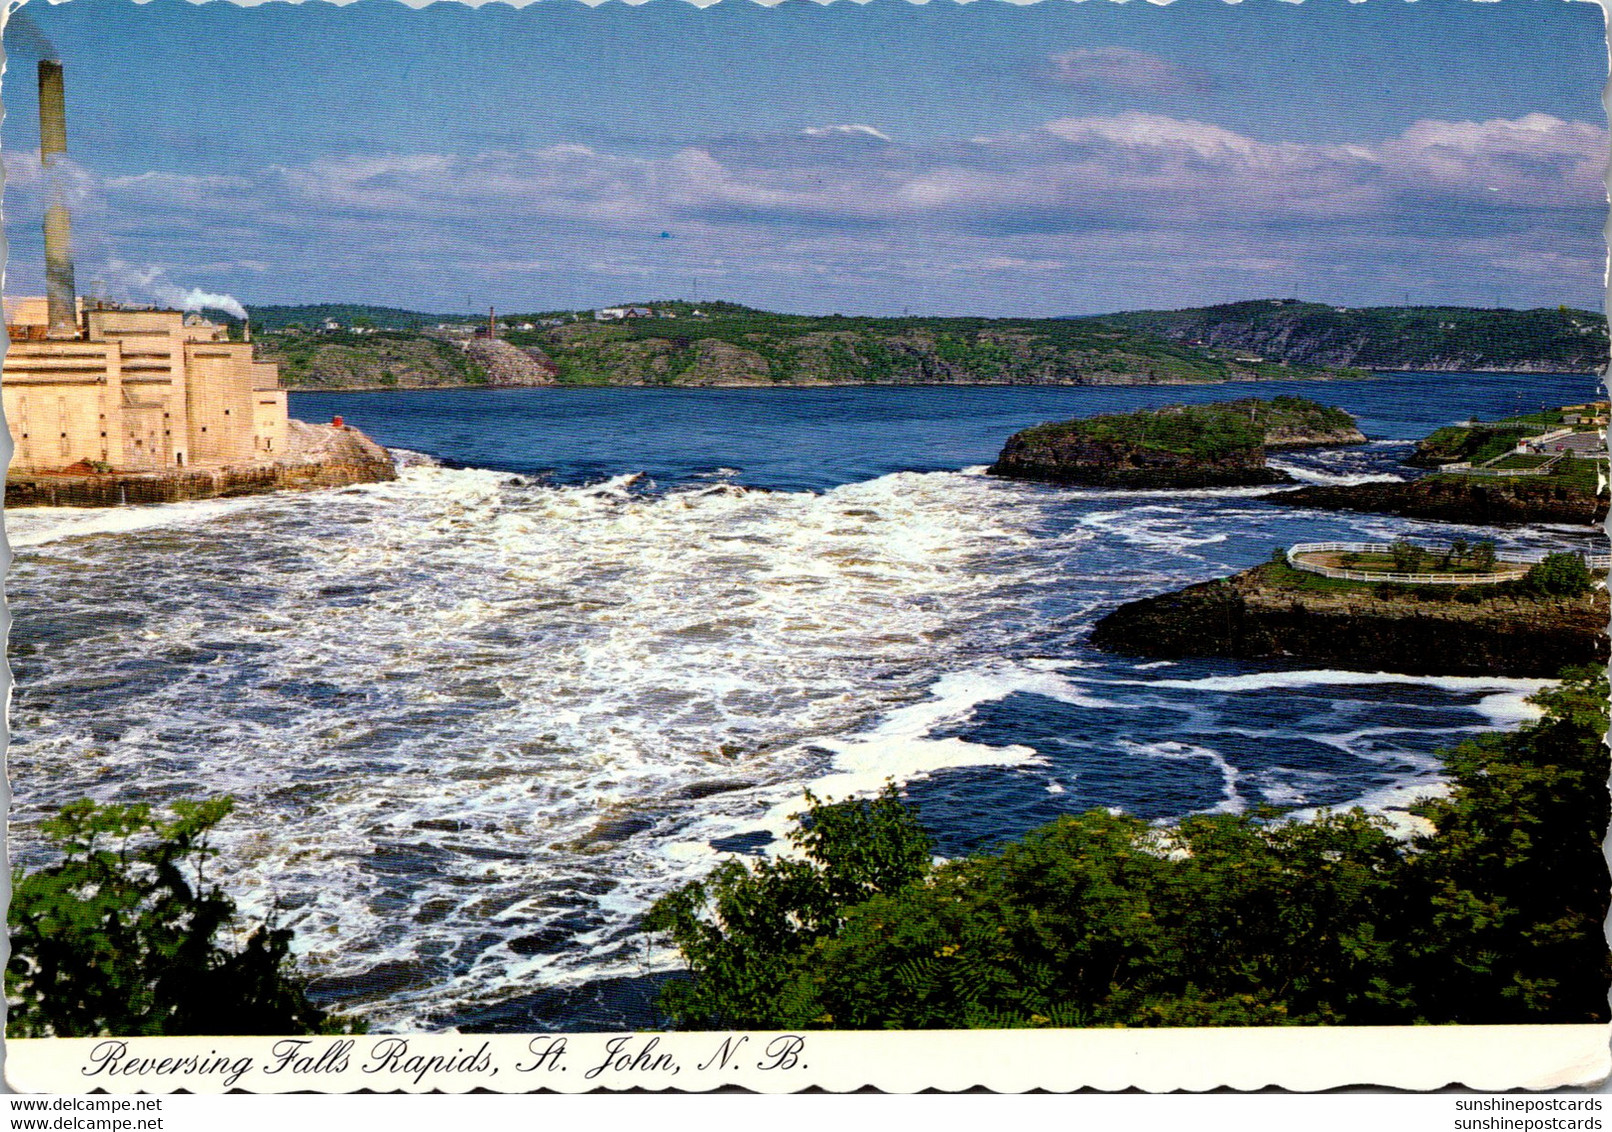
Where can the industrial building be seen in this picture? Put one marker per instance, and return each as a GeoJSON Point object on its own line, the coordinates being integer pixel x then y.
{"type": "Point", "coordinates": [106, 387]}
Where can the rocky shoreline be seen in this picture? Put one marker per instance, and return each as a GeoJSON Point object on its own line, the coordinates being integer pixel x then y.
{"type": "Point", "coordinates": [1481, 501]}
{"type": "Point", "coordinates": [318, 456]}
{"type": "Point", "coordinates": [767, 383]}
{"type": "Point", "coordinates": [1265, 613]}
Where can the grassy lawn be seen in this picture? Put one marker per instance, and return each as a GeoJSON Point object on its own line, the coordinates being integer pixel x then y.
{"type": "Point", "coordinates": [1542, 420]}
{"type": "Point", "coordinates": [1579, 472]}
{"type": "Point", "coordinates": [1431, 563]}
{"type": "Point", "coordinates": [1284, 576]}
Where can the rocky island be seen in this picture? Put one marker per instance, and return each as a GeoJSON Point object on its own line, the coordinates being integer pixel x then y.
{"type": "Point", "coordinates": [1273, 610]}
{"type": "Point", "coordinates": [1177, 446]}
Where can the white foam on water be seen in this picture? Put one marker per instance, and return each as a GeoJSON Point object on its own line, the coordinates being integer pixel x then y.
{"type": "Point", "coordinates": [483, 722]}
{"type": "Point", "coordinates": [1306, 474]}
{"type": "Point", "coordinates": [1510, 688]}
{"type": "Point", "coordinates": [39, 526]}
{"type": "Point", "coordinates": [1390, 803]}
{"type": "Point", "coordinates": [1231, 801]}
{"type": "Point", "coordinates": [462, 703]}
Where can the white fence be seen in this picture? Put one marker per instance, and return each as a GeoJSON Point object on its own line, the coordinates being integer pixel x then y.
{"type": "Point", "coordinates": [1484, 469]}
{"type": "Point", "coordinates": [1516, 558]}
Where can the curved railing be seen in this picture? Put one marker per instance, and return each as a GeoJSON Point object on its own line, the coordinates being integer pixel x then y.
{"type": "Point", "coordinates": [1593, 561]}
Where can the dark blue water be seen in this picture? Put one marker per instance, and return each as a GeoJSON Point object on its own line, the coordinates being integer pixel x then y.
{"type": "Point", "coordinates": [813, 439]}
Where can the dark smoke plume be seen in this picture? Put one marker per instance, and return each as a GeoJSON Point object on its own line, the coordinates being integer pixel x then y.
{"type": "Point", "coordinates": [24, 35]}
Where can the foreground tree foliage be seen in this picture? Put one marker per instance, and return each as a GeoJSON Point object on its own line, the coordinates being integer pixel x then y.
{"type": "Point", "coordinates": [1103, 920]}
{"type": "Point", "coordinates": [120, 936]}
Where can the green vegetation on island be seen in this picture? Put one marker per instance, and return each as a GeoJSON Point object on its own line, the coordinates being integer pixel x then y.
{"type": "Point", "coordinates": [1492, 915]}
{"type": "Point", "coordinates": [121, 936]}
{"type": "Point", "coordinates": [1465, 339]}
{"type": "Point", "coordinates": [1218, 444]}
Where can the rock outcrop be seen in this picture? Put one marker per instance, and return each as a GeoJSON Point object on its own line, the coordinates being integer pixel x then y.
{"type": "Point", "coordinates": [317, 456]}
{"type": "Point", "coordinates": [1054, 456]}
{"type": "Point", "coordinates": [510, 365]}
{"type": "Point", "coordinates": [1482, 500]}
{"type": "Point", "coordinates": [1216, 445]}
{"type": "Point", "coordinates": [1255, 615]}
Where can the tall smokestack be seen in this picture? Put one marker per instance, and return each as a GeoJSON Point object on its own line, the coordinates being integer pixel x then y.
{"type": "Point", "coordinates": [59, 289]}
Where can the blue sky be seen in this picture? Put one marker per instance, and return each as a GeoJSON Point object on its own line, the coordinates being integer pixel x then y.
{"type": "Point", "coordinates": [987, 158]}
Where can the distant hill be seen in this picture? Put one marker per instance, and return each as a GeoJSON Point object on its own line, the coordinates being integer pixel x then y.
{"type": "Point", "coordinates": [312, 315]}
{"type": "Point", "coordinates": [722, 343]}
{"type": "Point", "coordinates": [1547, 340]}
{"type": "Point", "coordinates": [728, 344]}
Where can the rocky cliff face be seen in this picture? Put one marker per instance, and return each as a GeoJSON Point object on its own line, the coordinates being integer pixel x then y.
{"type": "Point", "coordinates": [510, 365]}
{"type": "Point", "coordinates": [1553, 340]}
{"type": "Point", "coordinates": [1485, 501]}
{"type": "Point", "coordinates": [1250, 616]}
{"type": "Point", "coordinates": [1304, 436]}
{"type": "Point", "coordinates": [317, 456]}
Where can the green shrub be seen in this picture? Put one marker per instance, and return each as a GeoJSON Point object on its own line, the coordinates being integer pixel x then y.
{"type": "Point", "coordinates": [1559, 575]}
{"type": "Point", "coordinates": [1104, 919]}
{"type": "Point", "coordinates": [1408, 557]}
{"type": "Point", "coordinates": [119, 936]}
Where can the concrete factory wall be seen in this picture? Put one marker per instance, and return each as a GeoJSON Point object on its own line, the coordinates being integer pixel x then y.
{"type": "Point", "coordinates": [140, 390]}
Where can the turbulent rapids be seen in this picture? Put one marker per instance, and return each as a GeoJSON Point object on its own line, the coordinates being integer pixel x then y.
{"type": "Point", "coordinates": [476, 721]}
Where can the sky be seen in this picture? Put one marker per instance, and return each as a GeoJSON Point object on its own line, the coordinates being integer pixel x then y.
{"type": "Point", "coordinates": [1064, 157]}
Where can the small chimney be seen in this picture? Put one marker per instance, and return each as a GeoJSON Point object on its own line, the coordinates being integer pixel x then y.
{"type": "Point", "coordinates": [492, 325]}
{"type": "Point", "coordinates": [59, 290]}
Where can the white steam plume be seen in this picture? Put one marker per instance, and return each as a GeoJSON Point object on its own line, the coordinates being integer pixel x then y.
{"type": "Point", "coordinates": [153, 283]}
{"type": "Point", "coordinates": [196, 299]}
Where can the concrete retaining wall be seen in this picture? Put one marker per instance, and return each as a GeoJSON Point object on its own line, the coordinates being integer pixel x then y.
{"type": "Point", "coordinates": [321, 456]}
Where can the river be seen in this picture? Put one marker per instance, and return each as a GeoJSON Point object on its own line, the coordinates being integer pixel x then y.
{"type": "Point", "coordinates": [476, 720]}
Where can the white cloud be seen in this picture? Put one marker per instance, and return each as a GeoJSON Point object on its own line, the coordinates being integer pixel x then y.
{"type": "Point", "coordinates": [1124, 69]}
{"type": "Point", "coordinates": [1179, 203]}
{"type": "Point", "coordinates": [853, 130]}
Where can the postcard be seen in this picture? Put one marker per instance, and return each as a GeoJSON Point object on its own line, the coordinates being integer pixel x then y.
{"type": "Point", "coordinates": [926, 546]}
